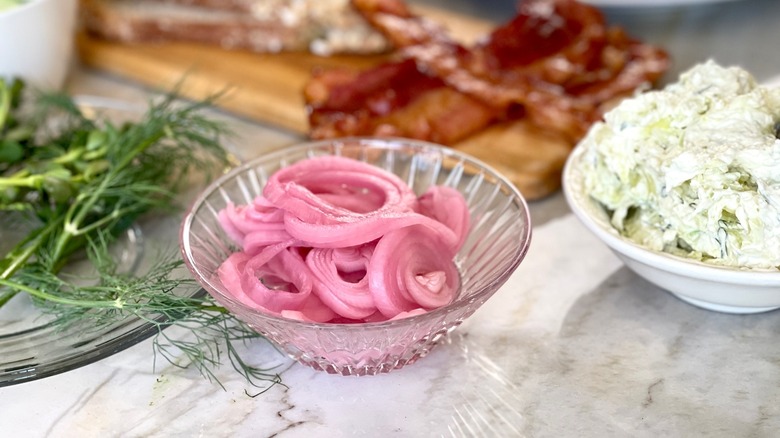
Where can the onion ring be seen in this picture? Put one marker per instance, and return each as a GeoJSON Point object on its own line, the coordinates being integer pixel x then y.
{"type": "Point", "coordinates": [238, 220]}
{"type": "Point", "coordinates": [338, 240]}
{"type": "Point", "coordinates": [446, 205]}
{"type": "Point", "coordinates": [298, 190]}
{"type": "Point", "coordinates": [277, 279]}
{"type": "Point", "coordinates": [410, 269]}
{"type": "Point", "coordinates": [350, 299]}
{"type": "Point", "coordinates": [367, 230]}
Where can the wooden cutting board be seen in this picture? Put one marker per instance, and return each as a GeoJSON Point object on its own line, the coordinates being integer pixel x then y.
{"type": "Point", "coordinates": [267, 88]}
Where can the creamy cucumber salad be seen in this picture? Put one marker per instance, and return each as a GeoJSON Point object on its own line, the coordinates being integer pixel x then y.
{"type": "Point", "coordinates": [693, 169]}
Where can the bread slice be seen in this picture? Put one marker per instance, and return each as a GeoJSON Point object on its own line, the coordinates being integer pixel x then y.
{"type": "Point", "coordinates": [323, 27]}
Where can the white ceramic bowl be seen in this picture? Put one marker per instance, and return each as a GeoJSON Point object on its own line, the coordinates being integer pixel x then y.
{"type": "Point", "coordinates": [36, 41]}
{"type": "Point", "coordinates": [722, 289]}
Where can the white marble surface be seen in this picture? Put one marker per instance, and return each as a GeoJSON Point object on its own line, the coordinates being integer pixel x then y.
{"type": "Point", "coordinates": [573, 345]}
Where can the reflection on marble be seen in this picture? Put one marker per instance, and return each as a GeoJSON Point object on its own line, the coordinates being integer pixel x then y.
{"type": "Point", "coordinates": [573, 345]}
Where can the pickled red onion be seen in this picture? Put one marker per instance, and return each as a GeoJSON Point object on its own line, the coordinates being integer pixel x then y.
{"type": "Point", "coordinates": [239, 220]}
{"type": "Point", "coordinates": [409, 269]}
{"type": "Point", "coordinates": [329, 267]}
{"type": "Point", "coordinates": [378, 317]}
{"type": "Point", "coordinates": [367, 230]}
{"type": "Point", "coordinates": [277, 278]}
{"type": "Point", "coordinates": [230, 273]}
{"type": "Point", "coordinates": [313, 310]}
{"type": "Point", "coordinates": [446, 205]}
{"type": "Point", "coordinates": [256, 241]}
{"type": "Point", "coordinates": [337, 240]}
{"type": "Point", "coordinates": [298, 190]}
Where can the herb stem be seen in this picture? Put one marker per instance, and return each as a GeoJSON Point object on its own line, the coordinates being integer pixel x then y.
{"type": "Point", "coordinates": [77, 213]}
{"type": "Point", "coordinates": [5, 103]}
{"type": "Point", "coordinates": [114, 215]}
{"type": "Point", "coordinates": [6, 295]}
{"type": "Point", "coordinates": [219, 309]}
{"type": "Point", "coordinates": [117, 303]}
{"type": "Point", "coordinates": [24, 250]}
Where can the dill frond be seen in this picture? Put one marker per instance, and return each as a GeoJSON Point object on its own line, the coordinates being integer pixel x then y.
{"type": "Point", "coordinates": [86, 181]}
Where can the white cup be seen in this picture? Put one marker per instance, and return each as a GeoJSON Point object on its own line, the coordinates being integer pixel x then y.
{"type": "Point", "coordinates": [36, 42]}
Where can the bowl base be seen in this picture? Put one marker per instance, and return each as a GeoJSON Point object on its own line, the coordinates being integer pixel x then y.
{"type": "Point", "coordinates": [723, 308]}
{"type": "Point", "coordinates": [364, 368]}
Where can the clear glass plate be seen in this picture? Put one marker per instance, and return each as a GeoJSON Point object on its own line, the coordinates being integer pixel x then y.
{"type": "Point", "coordinates": [31, 347]}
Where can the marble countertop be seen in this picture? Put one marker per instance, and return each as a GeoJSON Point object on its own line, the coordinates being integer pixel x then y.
{"type": "Point", "coordinates": [574, 344]}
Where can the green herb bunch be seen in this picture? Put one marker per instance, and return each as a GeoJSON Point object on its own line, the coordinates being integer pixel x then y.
{"type": "Point", "coordinates": [84, 181]}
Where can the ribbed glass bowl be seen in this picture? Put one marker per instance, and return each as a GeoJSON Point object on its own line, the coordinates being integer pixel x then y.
{"type": "Point", "coordinates": [499, 238]}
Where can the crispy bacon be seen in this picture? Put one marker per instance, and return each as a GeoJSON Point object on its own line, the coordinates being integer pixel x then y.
{"type": "Point", "coordinates": [393, 99]}
{"type": "Point", "coordinates": [556, 62]}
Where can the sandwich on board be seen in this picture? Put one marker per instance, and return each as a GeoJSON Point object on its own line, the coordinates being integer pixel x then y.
{"type": "Point", "coordinates": [322, 27]}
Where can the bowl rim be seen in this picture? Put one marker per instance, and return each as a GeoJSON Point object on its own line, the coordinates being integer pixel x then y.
{"type": "Point", "coordinates": [395, 143]}
{"type": "Point", "coordinates": [583, 206]}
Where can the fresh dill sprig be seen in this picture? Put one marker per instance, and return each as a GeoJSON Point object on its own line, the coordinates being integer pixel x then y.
{"type": "Point", "coordinates": [82, 182]}
{"type": "Point", "coordinates": [159, 297]}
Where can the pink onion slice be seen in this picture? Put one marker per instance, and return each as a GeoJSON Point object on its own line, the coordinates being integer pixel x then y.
{"type": "Point", "coordinates": [277, 278]}
{"type": "Point", "coordinates": [337, 240]}
{"type": "Point", "coordinates": [227, 216]}
{"type": "Point", "coordinates": [313, 310]}
{"type": "Point", "coordinates": [413, 312]}
{"type": "Point", "coordinates": [378, 317]}
{"type": "Point", "coordinates": [230, 273]}
{"type": "Point", "coordinates": [411, 268]}
{"type": "Point", "coordinates": [233, 269]}
{"type": "Point", "coordinates": [298, 189]}
{"type": "Point", "coordinates": [237, 221]}
{"type": "Point", "coordinates": [367, 230]}
{"type": "Point", "coordinates": [331, 269]}
{"type": "Point", "coordinates": [257, 241]}
{"type": "Point", "coordinates": [350, 197]}
{"type": "Point", "coordinates": [447, 205]}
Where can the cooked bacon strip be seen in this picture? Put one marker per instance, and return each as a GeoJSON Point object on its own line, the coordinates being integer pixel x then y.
{"type": "Point", "coordinates": [556, 62]}
{"type": "Point", "coordinates": [399, 25]}
{"type": "Point", "coordinates": [393, 99]}
{"type": "Point", "coordinates": [556, 58]}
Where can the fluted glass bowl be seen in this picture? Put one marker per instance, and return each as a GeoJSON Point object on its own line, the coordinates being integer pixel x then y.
{"type": "Point", "coordinates": [498, 240]}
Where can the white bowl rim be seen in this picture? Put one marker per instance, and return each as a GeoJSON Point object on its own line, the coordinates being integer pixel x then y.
{"type": "Point", "coordinates": [395, 143]}
{"type": "Point", "coordinates": [580, 203]}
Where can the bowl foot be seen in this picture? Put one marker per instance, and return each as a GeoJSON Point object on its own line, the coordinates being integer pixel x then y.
{"type": "Point", "coordinates": [723, 308]}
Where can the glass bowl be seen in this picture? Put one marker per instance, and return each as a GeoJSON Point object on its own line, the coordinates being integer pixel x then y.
{"type": "Point", "coordinates": [497, 242]}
